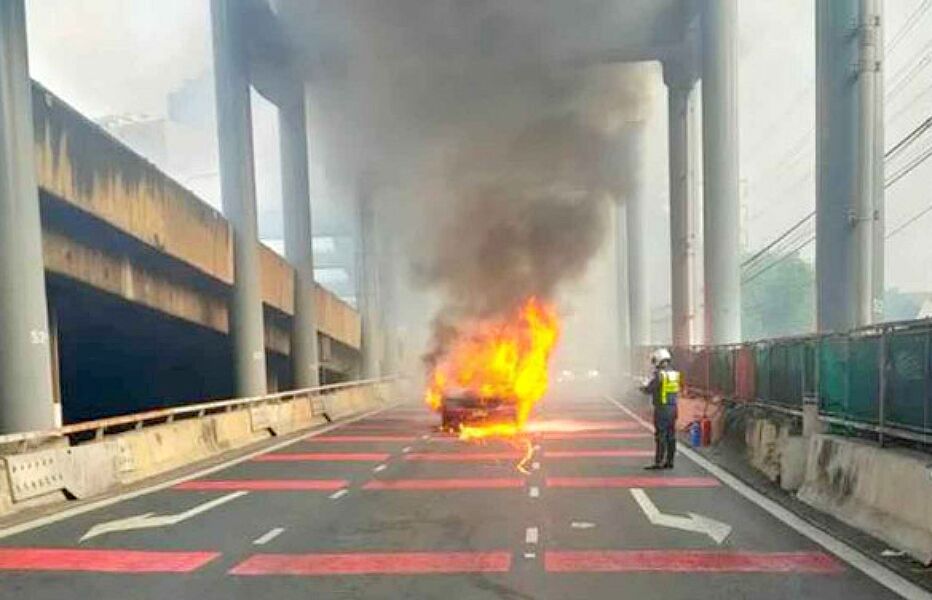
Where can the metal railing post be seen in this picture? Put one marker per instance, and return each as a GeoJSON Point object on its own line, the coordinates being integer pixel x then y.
{"type": "Point", "coordinates": [882, 385]}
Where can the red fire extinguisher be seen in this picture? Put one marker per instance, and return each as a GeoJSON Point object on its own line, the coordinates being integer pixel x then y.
{"type": "Point", "coordinates": [705, 426]}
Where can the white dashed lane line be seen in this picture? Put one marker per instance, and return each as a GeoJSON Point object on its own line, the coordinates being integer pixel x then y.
{"type": "Point", "coordinates": [339, 494]}
{"type": "Point", "coordinates": [269, 536]}
{"type": "Point", "coordinates": [531, 535]}
{"type": "Point", "coordinates": [380, 468]}
{"type": "Point", "coordinates": [534, 491]}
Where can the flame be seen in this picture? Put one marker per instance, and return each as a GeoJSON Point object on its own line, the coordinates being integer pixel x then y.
{"type": "Point", "coordinates": [505, 359]}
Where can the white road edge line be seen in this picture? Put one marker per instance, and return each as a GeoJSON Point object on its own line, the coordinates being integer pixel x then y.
{"type": "Point", "coordinates": [339, 494]}
{"type": "Point", "coordinates": [853, 557]}
{"type": "Point", "coordinates": [104, 502]}
{"type": "Point", "coordinates": [268, 536]}
{"type": "Point", "coordinates": [379, 468]}
{"type": "Point", "coordinates": [534, 491]}
{"type": "Point", "coordinates": [531, 535]}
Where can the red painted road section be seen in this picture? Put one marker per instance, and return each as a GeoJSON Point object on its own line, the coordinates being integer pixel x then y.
{"type": "Point", "coordinates": [632, 482]}
{"type": "Point", "coordinates": [467, 457]}
{"type": "Point", "coordinates": [336, 439]}
{"type": "Point", "coordinates": [594, 435]}
{"type": "Point", "coordinates": [597, 453]}
{"type": "Point", "coordinates": [264, 485]}
{"type": "Point", "coordinates": [575, 425]}
{"type": "Point", "coordinates": [102, 561]}
{"type": "Point", "coordinates": [364, 563]}
{"type": "Point", "coordinates": [444, 484]}
{"type": "Point", "coordinates": [690, 561]}
{"type": "Point", "coordinates": [323, 457]}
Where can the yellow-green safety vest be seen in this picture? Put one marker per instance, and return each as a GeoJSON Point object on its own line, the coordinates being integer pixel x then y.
{"type": "Point", "coordinates": [669, 386]}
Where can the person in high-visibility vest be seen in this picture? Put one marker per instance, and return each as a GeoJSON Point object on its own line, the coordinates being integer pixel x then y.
{"type": "Point", "coordinates": [664, 389]}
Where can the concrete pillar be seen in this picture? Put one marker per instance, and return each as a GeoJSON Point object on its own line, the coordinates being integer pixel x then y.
{"type": "Point", "coordinates": [238, 192]}
{"type": "Point", "coordinates": [296, 202]}
{"type": "Point", "coordinates": [679, 88]}
{"type": "Point", "coordinates": [636, 223]}
{"type": "Point", "coordinates": [25, 370]}
{"type": "Point", "coordinates": [624, 331]}
{"type": "Point", "coordinates": [367, 294]}
{"type": "Point", "coordinates": [55, 358]}
{"type": "Point", "coordinates": [849, 171]}
{"type": "Point", "coordinates": [722, 258]}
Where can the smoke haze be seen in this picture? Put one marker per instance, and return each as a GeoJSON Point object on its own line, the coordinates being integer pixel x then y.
{"type": "Point", "coordinates": [500, 156]}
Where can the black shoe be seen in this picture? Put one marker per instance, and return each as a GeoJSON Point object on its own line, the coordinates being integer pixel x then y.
{"type": "Point", "coordinates": [653, 467]}
{"type": "Point", "coordinates": [667, 466]}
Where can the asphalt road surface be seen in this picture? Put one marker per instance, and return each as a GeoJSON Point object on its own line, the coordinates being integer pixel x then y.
{"type": "Point", "coordinates": [387, 507]}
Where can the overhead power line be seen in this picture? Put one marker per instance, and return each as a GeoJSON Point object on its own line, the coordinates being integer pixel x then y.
{"type": "Point", "coordinates": [780, 238]}
{"type": "Point", "coordinates": [909, 221]}
{"type": "Point", "coordinates": [899, 146]}
{"type": "Point", "coordinates": [908, 25]}
{"type": "Point", "coordinates": [792, 252]}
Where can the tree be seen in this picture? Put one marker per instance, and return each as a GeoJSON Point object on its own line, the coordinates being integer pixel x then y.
{"type": "Point", "coordinates": [778, 301]}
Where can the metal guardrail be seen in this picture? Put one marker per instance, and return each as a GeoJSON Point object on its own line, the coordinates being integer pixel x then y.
{"type": "Point", "coordinates": [168, 415]}
{"type": "Point", "coordinates": [875, 379]}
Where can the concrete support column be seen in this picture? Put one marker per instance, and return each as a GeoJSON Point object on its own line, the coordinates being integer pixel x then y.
{"type": "Point", "coordinates": [296, 201]}
{"type": "Point", "coordinates": [367, 293]}
{"type": "Point", "coordinates": [849, 165]}
{"type": "Point", "coordinates": [25, 371]}
{"type": "Point", "coordinates": [721, 226]}
{"type": "Point", "coordinates": [679, 88]}
{"type": "Point", "coordinates": [624, 330]}
{"type": "Point", "coordinates": [238, 191]}
{"type": "Point", "coordinates": [636, 223]}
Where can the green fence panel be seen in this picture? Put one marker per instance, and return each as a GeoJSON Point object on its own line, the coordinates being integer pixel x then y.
{"type": "Point", "coordinates": [787, 381]}
{"type": "Point", "coordinates": [907, 380]}
{"type": "Point", "coordinates": [762, 365]}
{"type": "Point", "coordinates": [810, 349]}
{"type": "Point", "coordinates": [723, 375]}
{"type": "Point", "coordinates": [833, 375]}
{"type": "Point", "coordinates": [863, 379]}
{"type": "Point", "coordinates": [745, 377]}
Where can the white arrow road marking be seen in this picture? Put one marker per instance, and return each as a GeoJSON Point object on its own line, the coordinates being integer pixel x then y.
{"type": "Point", "coordinates": [716, 530]}
{"type": "Point", "coordinates": [150, 521]}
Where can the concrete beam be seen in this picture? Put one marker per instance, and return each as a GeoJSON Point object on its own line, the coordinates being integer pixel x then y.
{"type": "Point", "coordinates": [26, 397]}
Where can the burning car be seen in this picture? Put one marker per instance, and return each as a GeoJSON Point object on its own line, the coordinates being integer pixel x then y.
{"type": "Point", "coordinates": [465, 408]}
{"type": "Point", "coordinates": [494, 370]}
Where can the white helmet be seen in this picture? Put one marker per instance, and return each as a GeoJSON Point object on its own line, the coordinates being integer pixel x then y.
{"type": "Point", "coordinates": [659, 355]}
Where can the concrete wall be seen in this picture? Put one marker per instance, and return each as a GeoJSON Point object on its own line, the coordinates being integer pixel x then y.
{"type": "Point", "coordinates": [885, 492]}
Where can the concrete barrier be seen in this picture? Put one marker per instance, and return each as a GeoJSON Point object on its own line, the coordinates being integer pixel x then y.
{"type": "Point", "coordinates": [46, 473]}
{"type": "Point", "coordinates": [885, 492]}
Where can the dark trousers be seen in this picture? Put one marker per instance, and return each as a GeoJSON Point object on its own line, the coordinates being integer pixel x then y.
{"type": "Point", "coordinates": [664, 434]}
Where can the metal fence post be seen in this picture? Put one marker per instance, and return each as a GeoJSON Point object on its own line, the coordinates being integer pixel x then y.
{"type": "Point", "coordinates": [882, 391]}
{"type": "Point", "coordinates": [927, 389]}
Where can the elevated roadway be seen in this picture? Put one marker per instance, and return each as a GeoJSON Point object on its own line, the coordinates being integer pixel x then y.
{"type": "Point", "coordinates": [388, 507]}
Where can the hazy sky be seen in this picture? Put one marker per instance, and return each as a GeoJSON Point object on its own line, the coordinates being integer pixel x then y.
{"type": "Point", "coordinates": [117, 56]}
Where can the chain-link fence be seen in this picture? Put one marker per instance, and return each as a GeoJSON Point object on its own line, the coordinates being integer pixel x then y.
{"type": "Point", "coordinates": [878, 378]}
